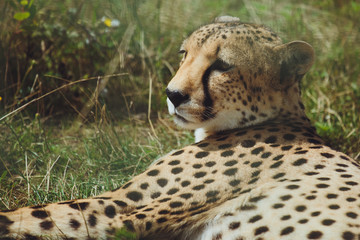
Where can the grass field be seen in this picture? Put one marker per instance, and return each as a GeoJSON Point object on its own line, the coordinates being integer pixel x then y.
{"type": "Point", "coordinates": [57, 149]}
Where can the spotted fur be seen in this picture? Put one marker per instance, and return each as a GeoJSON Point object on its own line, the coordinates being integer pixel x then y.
{"type": "Point", "coordinates": [257, 171]}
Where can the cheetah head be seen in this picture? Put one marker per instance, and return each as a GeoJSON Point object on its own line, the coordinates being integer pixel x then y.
{"type": "Point", "coordinates": [235, 74]}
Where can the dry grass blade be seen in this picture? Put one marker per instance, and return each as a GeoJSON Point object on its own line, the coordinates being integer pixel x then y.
{"type": "Point", "coordinates": [53, 91]}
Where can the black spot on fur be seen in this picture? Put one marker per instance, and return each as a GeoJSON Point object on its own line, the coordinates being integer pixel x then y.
{"type": "Point", "coordinates": [163, 212]}
{"type": "Point", "coordinates": [201, 154]}
{"type": "Point", "coordinates": [292, 186]}
{"type": "Point", "coordinates": [47, 225]}
{"type": "Point", "coordinates": [213, 193]}
{"type": "Point", "coordinates": [144, 186]}
{"type": "Point", "coordinates": [300, 208]}
{"type": "Point", "coordinates": [224, 146]}
{"type": "Point", "coordinates": [185, 183]}
{"type": "Point", "coordinates": [74, 224]}
{"type": "Point", "coordinates": [134, 196]}
{"type": "Point", "coordinates": [285, 197]}
{"type": "Point", "coordinates": [176, 170]}
{"type": "Point", "coordinates": [162, 182]}
{"type": "Point", "coordinates": [230, 172]}
{"type": "Point", "coordinates": [256, 164]}
{"type": "Point", "coordinates": [199, 187]}
{"type": "Point", "coordinates": [261, 230]}
{"type": "Point", "coordinates": [197, 166]}
{"type": "Point", "coordinates": [327, 155]}
{"type": "Point", "coordinates": [314, 235]}
{"type": "Point", "coordinates": [234, 225]}
{"type": "Point", "coordinates": [278, 175]}
{"type": "Point", "coordinates": [276, 164]}
{"type": "Point", "coordinates": [92, 220]}
{"type": "Point", "coordinates": [153, 173]}
{"type": "Point", "coordinates": [257, 198]}
{"type": "Point", "coordinates": [129, 225]}
{"type": "Point", "coordinates": [27, 237]}
{"type": "Point", "coordinates": [285, 148]}
{"type": "Point", "coordinates": [278, 157]}
{"type": "Point", "coordinates": [177, 153]}
{"type": "Point", "coordinates": [313, 141]}
{"type": "Point", "coordinates": [351, 215]}
{"type": "Point", "coordinates": [334, 206]}
{"type": "Point", "coordinates": [174, 162]}
{"type": "Point", "coordinates": [285, 217]}
{"type": "Point", "coordinates": [155, 195]}
{"type": "Point", "coordinates": [79, 206]}
{"type": "Point", "coordinates": [164, 200]}
{"type": "Point", "coordinates": [266, 155]}
{"type": "Point", "coordinates": [234, 183]}
{"type": "Point", "coordinates": [210, 164]}
{"type": "Point", "coordinates": [126, 185]}
{"type": "Point", "coordinates": [271, 139]}
{"type": "Point", "coordinates": [209, 181]}
{"type": "Point", "coordinates": [40, 214]}
{"type": "Point", "coordinates": [348, 236]}
{"type": "Point", "coordinates": [286, 231]}
{"type": "Point", "coordinates": [248, 143]}
{"type": "Point", "coordinates": [186, 195]}
{"type": "Point", "coordinates": [148, 226]}
{"type": "Point", "coordinates": [172, 191]}
{"type": "Point", "coordinates": [289, 137]}
{"type": "Point", "coordinates": [5, 221]}
{"type": "Point", "coordinates": [199, 174]}
{"type": "Point", "coordinates": [202, 145]}
{"type": "Point", "coordinates": [120, 203]}
{"type": "Point", "coordinates": [161, 220]}
{"type": "Point", "coordinates": [300, 162]}
{"type": "Point", "coordinates": [227, 153]}
{"type": "Point", "coordinates": [140, 216]}
{"type": "Point", "coordinates": [303, 221]}
{"type": "Point", "coordinates": [176, 204]}
{"type": "Point", "coordinates": [256, 151]}
{"type": "Point", "coordinates": [248, 207]}
{"type": "Point", "coordinates": [255, 218]}
{"type": "Point", "coordinates": [110, 211]}
{"type": "Point", "coordinates": [230, 163]}
{"type": "Point", "coordinates": [278, 205]}
{"type": "Point", "coordinates": [327, 222]}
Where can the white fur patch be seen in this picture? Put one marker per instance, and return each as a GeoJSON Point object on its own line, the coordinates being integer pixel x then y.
{"type": "Point", "coordinates": [171, 107]}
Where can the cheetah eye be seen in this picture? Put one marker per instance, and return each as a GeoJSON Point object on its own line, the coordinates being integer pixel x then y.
{"type": "Point", "coordinates": [221, 66]}
{"type": "Point", "coordinates": [183, 52]}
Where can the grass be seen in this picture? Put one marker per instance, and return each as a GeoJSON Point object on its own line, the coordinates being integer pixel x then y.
{"type": "Point", "coordinates": [45, 157]}
{"type": "Point", "coordinates": [54, 163]}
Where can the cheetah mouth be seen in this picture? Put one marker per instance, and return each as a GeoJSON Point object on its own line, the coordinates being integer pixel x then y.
{"type": "Point", "coordinates": [181, 118]}
{"type": "Point", "coordinates": [173, 111]}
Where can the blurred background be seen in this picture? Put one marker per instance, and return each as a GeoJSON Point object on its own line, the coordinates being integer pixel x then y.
{"type": "Point", "coordinates": [82, 84]}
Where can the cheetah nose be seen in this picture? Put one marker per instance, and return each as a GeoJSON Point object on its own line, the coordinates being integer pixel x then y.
{"type": "Point", "coordinates": [176, 97]}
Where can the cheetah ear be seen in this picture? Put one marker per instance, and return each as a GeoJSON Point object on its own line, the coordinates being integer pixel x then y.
{"type": "Point", "coordinates": [296, 58]}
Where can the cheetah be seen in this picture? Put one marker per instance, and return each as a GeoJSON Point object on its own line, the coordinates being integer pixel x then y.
{"type": "Point", "coordinates": [257, 170]}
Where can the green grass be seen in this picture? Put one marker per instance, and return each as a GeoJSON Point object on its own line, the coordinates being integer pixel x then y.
{"type": "Point", "coordinates": [45, 157]}
{"type": "Point", "coordinates": [51, 163]}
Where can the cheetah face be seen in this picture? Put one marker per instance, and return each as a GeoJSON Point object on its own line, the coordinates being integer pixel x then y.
{"type": "Point", "coordinates": [227, 70]}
